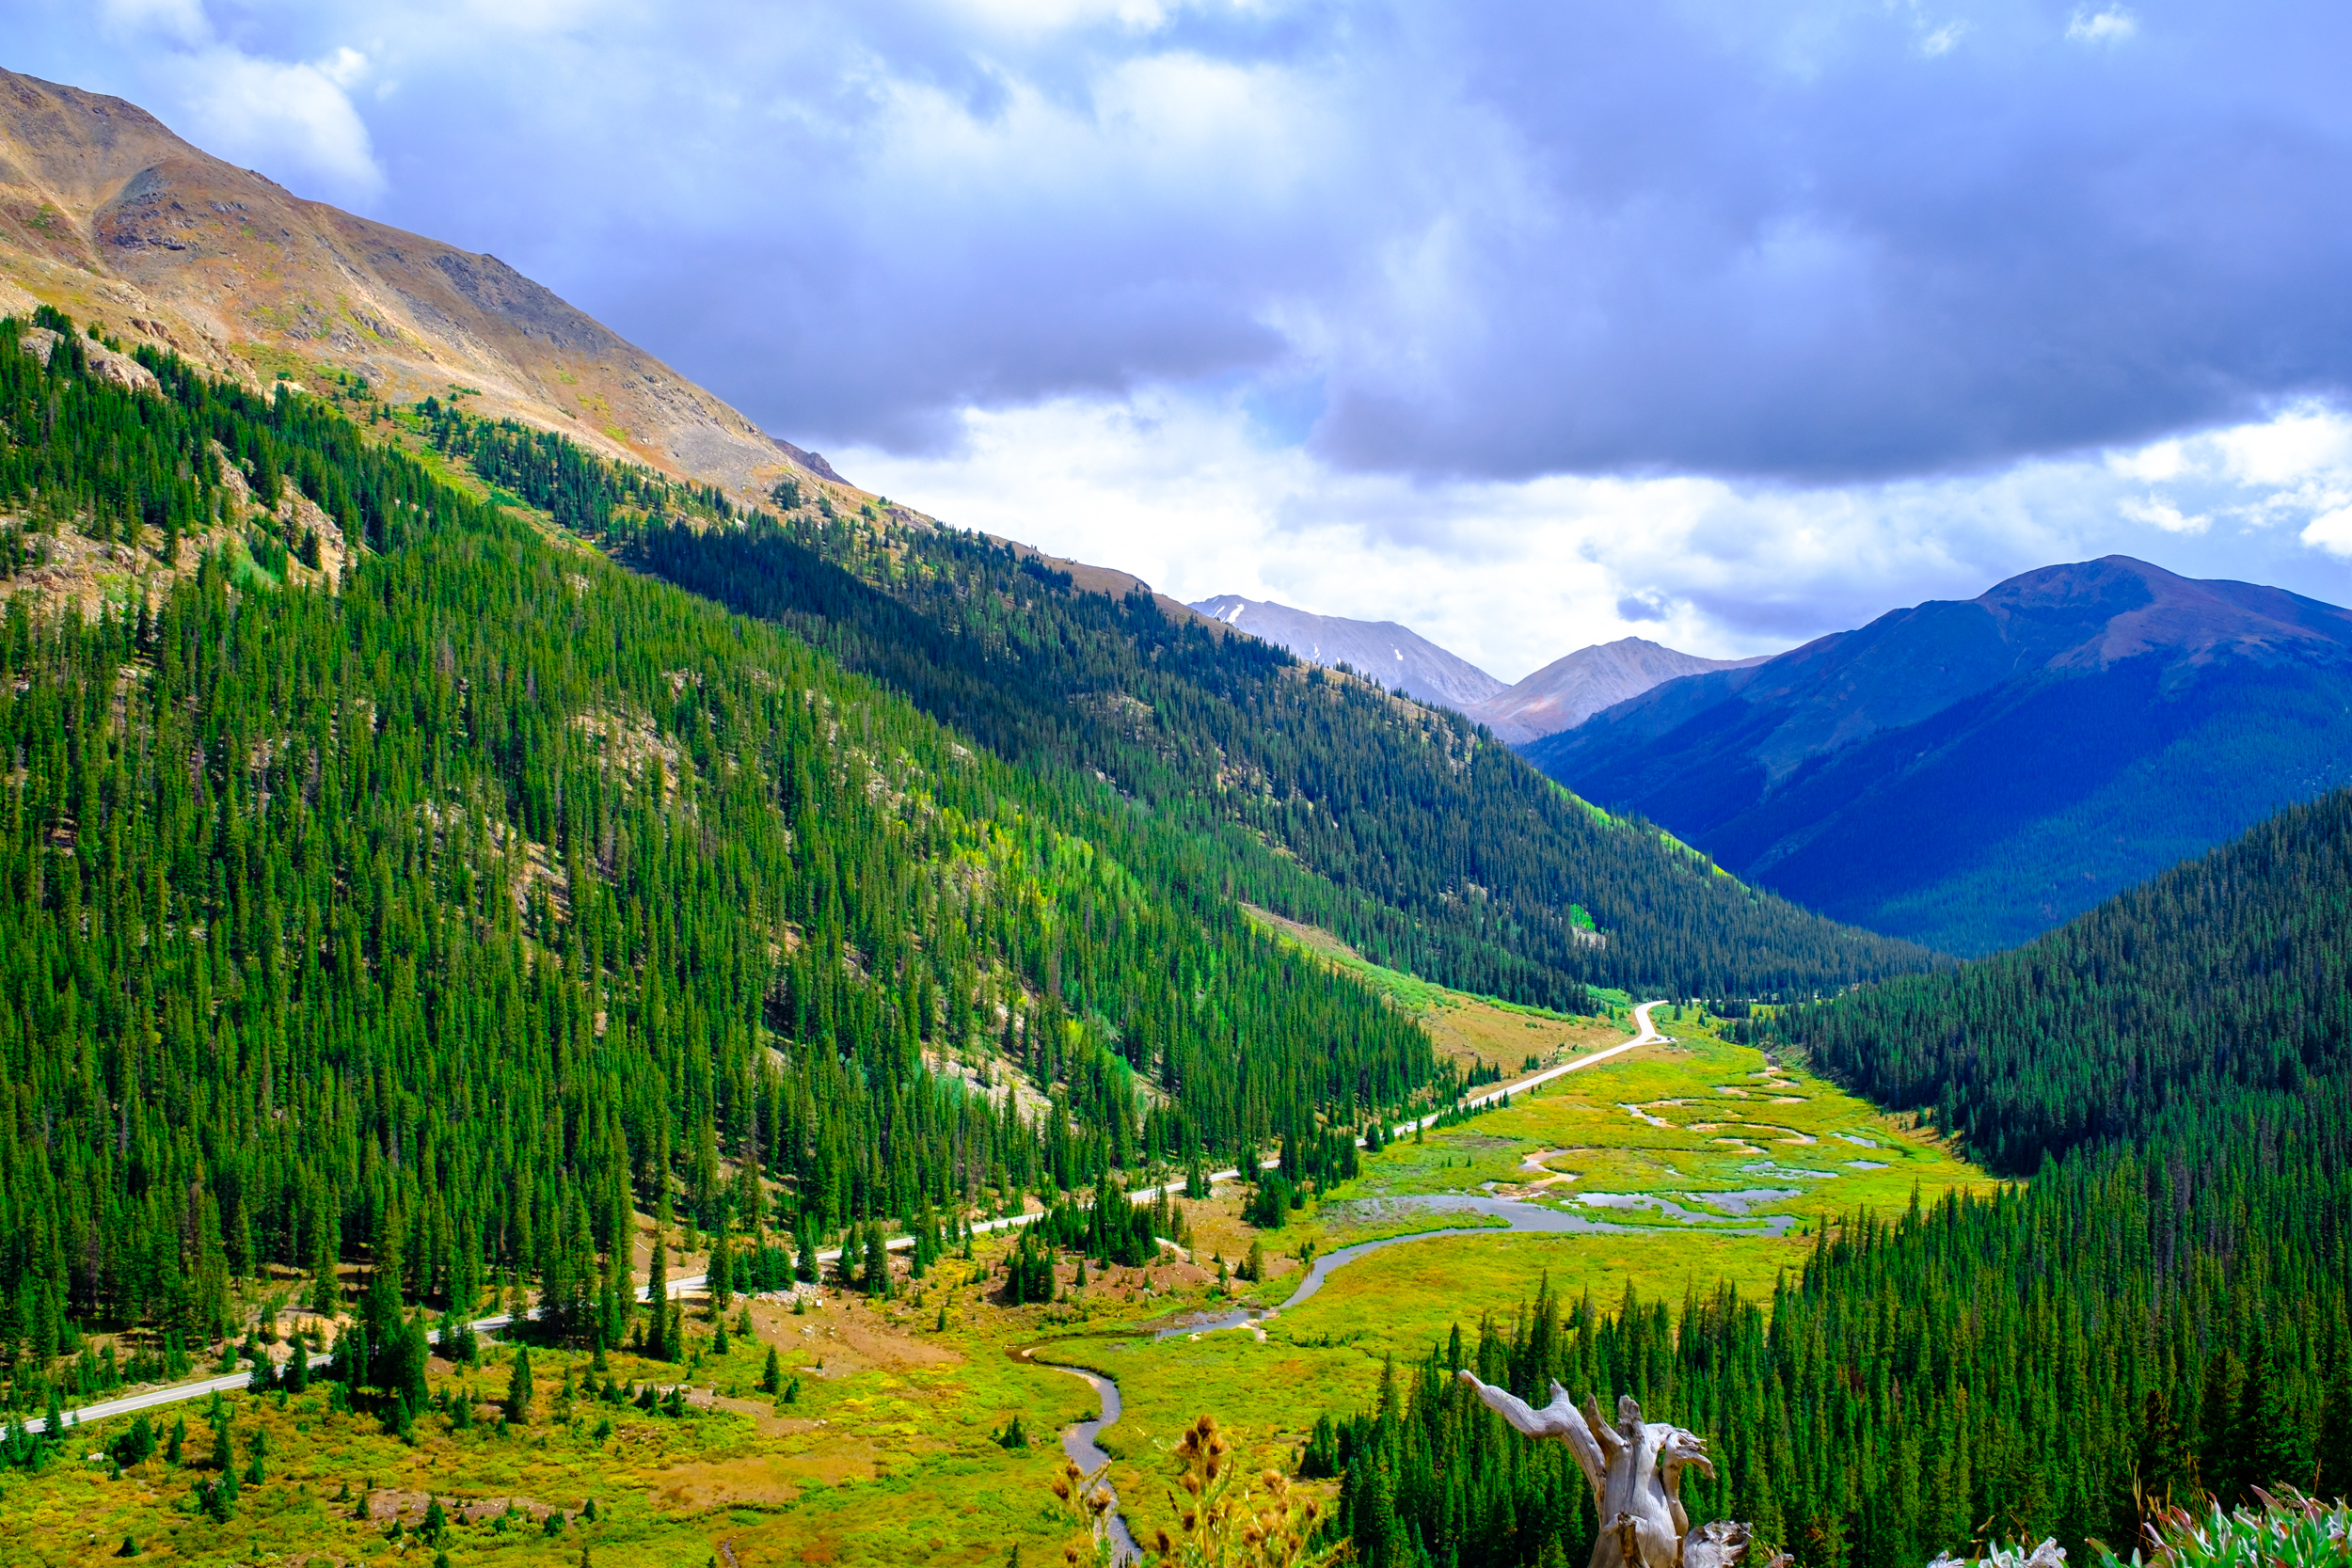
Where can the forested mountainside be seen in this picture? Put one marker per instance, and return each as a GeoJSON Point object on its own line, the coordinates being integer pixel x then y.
{"type": "Point", "coordinates": [440, 922]}
{"type": "Point", "coordinates": [1972, 774]}
{"type": "Point", "coordinates": [2166, 1309]}
{"type": "Point", "coordinates": [1386, 821]}
{"type": "Point", "coordinates": [2226, 979]}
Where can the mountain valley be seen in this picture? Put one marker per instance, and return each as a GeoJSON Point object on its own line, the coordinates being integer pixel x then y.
{"type": "Point", "coordinates": [581, 989]}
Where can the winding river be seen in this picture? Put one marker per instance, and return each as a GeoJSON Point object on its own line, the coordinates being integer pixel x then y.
{"type": "Point", "coordinates": [1079, 1441]}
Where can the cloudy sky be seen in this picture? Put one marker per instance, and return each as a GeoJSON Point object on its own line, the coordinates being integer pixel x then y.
{"type": "Point", "coordinates": [1528, 324]}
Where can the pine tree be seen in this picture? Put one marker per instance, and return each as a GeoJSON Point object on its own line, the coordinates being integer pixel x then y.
{"type": "Point", "coordinates": [658, 1300]}
{"type": "Point", "coordinates": [518, 1403]}
{"type": "Point", "coordinates": [808, 1270]}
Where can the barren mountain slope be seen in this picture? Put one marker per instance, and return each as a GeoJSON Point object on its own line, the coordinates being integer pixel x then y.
{"type": "Point", "coordinates": [106, 214]}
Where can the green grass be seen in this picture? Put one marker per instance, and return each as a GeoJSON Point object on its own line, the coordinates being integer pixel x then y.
{"type": "Point", "coordinates": [1408, 992]}
{"type": "Point", "coordinates": [887, 1458]}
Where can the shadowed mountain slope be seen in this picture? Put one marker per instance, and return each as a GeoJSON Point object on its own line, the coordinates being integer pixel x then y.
{"type": "Point", "coordinates": [1401, 828]}
{"type": "Point", "coordinates": [1969, 773]}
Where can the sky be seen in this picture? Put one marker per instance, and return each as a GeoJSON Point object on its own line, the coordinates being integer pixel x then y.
{"type": "Point", "coordinates": [1530, 325]}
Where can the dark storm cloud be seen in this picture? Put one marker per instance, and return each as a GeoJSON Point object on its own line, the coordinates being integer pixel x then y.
{"type": "Point", "coordinates": [1859, 244]}
{"type": "Point", "coordinates": [1805, 242]}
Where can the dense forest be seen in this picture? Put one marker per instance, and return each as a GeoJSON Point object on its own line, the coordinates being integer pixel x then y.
{"type": "Point", "coordinates": [2227, 976]}
{"type": "Point", "coordinates": [1403, 827]}
{"type": "Point", "coordinates": [438, 923]}
{"type": "Point", "coordinates": [2165, 1310]}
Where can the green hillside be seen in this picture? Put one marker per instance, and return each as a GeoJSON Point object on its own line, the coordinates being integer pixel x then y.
{"type": "Point", "coordinates": [1386, 821]}
{"type": "Point", "coordinates": [439, 924]}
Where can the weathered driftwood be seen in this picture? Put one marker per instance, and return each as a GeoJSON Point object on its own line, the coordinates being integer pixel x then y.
{"type": "Point", "coordinates": [1635, 1468]}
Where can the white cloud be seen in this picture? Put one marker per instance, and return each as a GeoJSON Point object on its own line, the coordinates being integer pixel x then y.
{"type": "Point", "coordinates": [181, 20]}
{"type": "Point", "coordinates": [1048, 16]}
{"type": "Point", "coordinates": [1942, 41]}
{"type": "Point", "coordinates": [2332, 533]}
{"type": "Point", "coordinates": [2158, 512]}
{"type": "Point", "coordinates": [2111, 25]}
{"type": "Point", "coordinates": [1186, 492]}
{"type": "Point", "coordinates": [344, 67]}
{"type": "Point", "coordinates": [2305, 441]}
{"type": "Point", "coordinates": [294, 118]}
{"type": "Point", "coordinates": [2156, 462]}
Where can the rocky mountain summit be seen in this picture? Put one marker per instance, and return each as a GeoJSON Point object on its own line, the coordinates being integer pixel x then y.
{"type": "Point", "coordinates": [106, 214]}
{"type": "Point", "coordinates": [1559, 696]}
{"type": "Point", "coordinates": [1568, 691]}
{"type": "Point", "coordinates": [1396, 656]}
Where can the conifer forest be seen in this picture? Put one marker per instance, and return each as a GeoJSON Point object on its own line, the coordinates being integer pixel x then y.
{"type": "Point", "coordinates": [445, 917]}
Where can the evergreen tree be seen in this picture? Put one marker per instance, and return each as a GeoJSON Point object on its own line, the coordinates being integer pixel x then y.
{"type": "Point", "coordinates": [518, 1403]}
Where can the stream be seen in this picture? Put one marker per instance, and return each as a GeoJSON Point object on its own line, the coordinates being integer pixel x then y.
{"type": "Point", "coordinates": [1516, 1215]}
{"type": "Point", "coordinates": [1078, 1441]}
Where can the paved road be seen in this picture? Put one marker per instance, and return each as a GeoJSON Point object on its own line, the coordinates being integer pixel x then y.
{"type": "Point", "coordinates": [688, 1284]}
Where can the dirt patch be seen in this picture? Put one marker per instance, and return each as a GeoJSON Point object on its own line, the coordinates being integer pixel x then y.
{"type": "Point", "coordinates": [849, 1335]}
{"type": "Point", "coordinates": [762, 1480]}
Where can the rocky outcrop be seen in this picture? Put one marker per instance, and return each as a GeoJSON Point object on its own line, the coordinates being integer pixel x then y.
{"type": "Point", "coordinates": [120, 368]}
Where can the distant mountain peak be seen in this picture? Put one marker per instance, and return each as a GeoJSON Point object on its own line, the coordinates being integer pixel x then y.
{"type": "Point", "coordinates": [1568, 691]}
{"type": "Point", "coordinates": [1395, 655]}
{"type": "Point", "coordinates": [2124, 607]}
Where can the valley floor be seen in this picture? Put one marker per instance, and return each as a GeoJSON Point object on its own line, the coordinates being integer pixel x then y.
{"type": "Point", "coordinates": [1682, 1164]}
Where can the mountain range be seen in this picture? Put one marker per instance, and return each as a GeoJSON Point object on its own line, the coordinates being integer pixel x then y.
{"type": "Point", "coordinates": [1960, 775]}
{"type": "Point", "coordinates": [1325, 799]}
{"type": "Point", "coordinates": [1559, 696]}
{"type": "Point", "coordinates": [1397, 657]}
{"type": "Point", "coordinates": [1970, 773]}
{"type": "Point", "coordinates": [1570, 690]}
